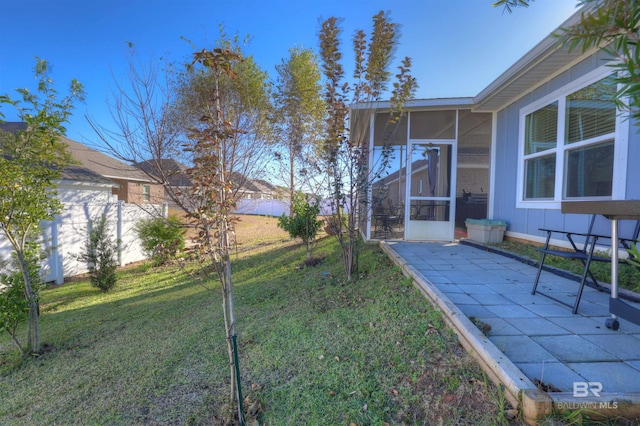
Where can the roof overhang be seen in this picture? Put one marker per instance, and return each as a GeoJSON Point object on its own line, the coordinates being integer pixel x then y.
{"type": "Point", "coordinates": [85, 184]}
{"type": "Point", "coordinates": [133, 179]}
{"type": "Point", "coordinates": [419, 104]}
{"type": "Point", "coordinates": [542, 63]}
{"type": "Point", "coordinates": [545, 61]}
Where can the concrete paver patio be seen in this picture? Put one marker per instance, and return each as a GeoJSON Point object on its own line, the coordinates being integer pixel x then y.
{"type": "Point", "coordinates": [541, 337]}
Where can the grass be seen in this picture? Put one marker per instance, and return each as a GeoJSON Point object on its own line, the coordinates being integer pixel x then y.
{"type": "Point", "coordinates": [314, 349]}
{"type": "Point", "coordinates": [628, 275]}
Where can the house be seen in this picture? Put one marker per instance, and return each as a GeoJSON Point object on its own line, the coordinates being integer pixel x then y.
{"type": "Point", "coordinates": [545, 131]}
{"type": "Point", "coordinates": [171, 175]}
{"type": "Point", "coordinates": [175, 179]}
{"type": "Point", "coordinates": [86, 195]}
{"type": "Point", "coordinates": [253, 189]}
{"type": "Point", "coordinates": [134, 186]}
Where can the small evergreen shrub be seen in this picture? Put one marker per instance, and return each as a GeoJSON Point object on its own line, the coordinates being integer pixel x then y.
{"type": "Point", "coordinates": [100, 254]}
{"type": "Point", "coordinates": [304, 223]}
{"type": "Point", "coordinates": [162, 239]}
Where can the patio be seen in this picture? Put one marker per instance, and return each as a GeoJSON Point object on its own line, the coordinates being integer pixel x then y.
{"type": "Point", "coordinates": [533, 343]}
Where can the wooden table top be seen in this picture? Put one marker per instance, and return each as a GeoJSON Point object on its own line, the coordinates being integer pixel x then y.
{"type": "Point", "coordinates": [612, 209]}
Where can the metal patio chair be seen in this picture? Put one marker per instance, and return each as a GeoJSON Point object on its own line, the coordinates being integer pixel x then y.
{"type": "Point", "coordinates": [581, 251]}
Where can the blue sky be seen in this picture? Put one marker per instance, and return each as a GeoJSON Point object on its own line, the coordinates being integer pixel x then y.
{"type": "Point", "coordinates": [458, 46]}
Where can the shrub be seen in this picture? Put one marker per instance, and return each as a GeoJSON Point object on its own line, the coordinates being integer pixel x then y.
{"type": "Point", "coordinates": [100, 255]}
{"type": "Point", "coordinates": [304, 223]}
{"type": "Point", "coordinates": [162, 239]}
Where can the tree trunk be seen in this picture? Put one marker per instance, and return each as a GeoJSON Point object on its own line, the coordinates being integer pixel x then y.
{"type": "Point", "coordinates": [33, 338]}
{"type": "Point", "coordinates": [292, 188]}
{"type": "Point", "coordinates": [229, 328]}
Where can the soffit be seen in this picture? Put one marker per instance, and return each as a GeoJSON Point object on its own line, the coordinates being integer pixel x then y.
{"type": "Point", "coordinates": [546, 60]}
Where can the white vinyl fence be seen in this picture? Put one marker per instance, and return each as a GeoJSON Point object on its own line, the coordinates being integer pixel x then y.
{"type": "Point", "coordinates": [64, 238]}
{"type": "Point", "coordinates": [275, 207]}
{"type": "Point", "coordinates": [262, 207]}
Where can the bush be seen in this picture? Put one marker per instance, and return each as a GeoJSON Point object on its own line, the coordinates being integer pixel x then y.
{"type": "Point", "coordinates": [162, 239]}
{"type": "Point", "coordinates": [304, 223]}
{"type": "Point", "coordinates": [100, 256]}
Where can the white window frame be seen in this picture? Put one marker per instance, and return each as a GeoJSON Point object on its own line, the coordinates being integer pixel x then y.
{"type": "Point", "coordinates": [146, 192]}
{"type": "Point", "coordinates": [620, 144]}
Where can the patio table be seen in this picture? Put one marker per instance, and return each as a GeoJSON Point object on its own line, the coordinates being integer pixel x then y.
{"type": "Point", "coordinates": [614, 211]}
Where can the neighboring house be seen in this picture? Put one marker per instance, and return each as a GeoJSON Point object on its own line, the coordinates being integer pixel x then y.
{"type": "Point", "coordinates": [172, 177]}
{"type": "Point", "coordinates": [134, 185]}
{"type": "Point", "coordinates": [86, 195]}
{"type": "Point", "coordinates": [545, 131]}
{"type": "Point", "coordinates": [253, 189]}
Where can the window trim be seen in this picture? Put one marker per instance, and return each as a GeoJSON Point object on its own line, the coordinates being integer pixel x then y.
{"type": "Point", "coordinates": [146, 192]}
{"type": "Point", "coordinates": [620, 136]}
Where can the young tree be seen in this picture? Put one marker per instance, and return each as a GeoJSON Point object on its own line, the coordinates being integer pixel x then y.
{"type": "Point", "coordinates": [100, 254]}
{"type": "Point", "coordinates": [214, 194]}
{"type": "Point", "coordinates": [32, 159]}
{"type": "Point", "coordinates": [299, 112]}
{"type": "Point", "coordinates": [199, 133]}
{"type": "Point", "coordinates": [346, 147]}
{"type": "Point", "coordinates": [245, 102]}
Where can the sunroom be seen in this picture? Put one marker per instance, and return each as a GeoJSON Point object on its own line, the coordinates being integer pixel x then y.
{"type": "Point", "coordinates": [430, 170]}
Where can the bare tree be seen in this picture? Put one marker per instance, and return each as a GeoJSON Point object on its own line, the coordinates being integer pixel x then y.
{"type": "Point", "coordinates": [155, 105]}
{"type": "Point", "coordinates": [141, 131]}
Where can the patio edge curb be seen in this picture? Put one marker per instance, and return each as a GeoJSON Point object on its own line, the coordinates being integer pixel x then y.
{"type": "Point", "coordinates": [521, 392]}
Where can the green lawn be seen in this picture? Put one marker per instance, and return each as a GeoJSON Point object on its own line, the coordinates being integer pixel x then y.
{"type": "Point", "coordinates": [628, 275]}
{"type": "Point", "coordinates": [315, 350]}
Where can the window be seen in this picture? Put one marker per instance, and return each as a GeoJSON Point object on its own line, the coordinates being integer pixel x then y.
{"type": "Point", "coordinates": [568, 144]}
{"type": "Point", "coordinates": [146, 193]}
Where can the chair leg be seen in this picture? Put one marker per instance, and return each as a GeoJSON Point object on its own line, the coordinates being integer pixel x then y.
{"type": "Point", "coordinates": [535, 284]}
{"type": "Point", "coordinates": [584, 279]}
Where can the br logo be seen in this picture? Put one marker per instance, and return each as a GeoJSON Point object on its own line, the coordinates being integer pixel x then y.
{"type": "Point", "coordinates": [582, 389]}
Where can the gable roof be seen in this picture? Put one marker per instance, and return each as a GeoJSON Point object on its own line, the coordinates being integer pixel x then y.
{"type": "Point", "coordinates": [174, 172]}
{"type": "Point", "coordinates": [103, 164]}
{"type": "Point", "coordinates": [73, 172]}
{"type": "Point", "coordinates": [79, 173]}
{"type": "Point", "coordinates": [244, 184]}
